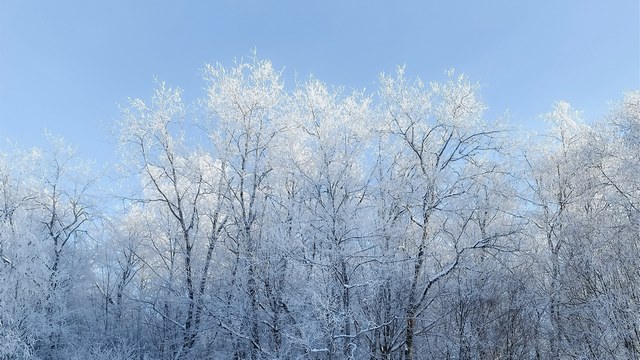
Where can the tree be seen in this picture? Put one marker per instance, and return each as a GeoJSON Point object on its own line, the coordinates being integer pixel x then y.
{"type": "Point", "coordinates": [557, 187]}
{"type": "Point", "coordinates": [21, 290]}
{"type": "Point", "coordinates": [184, 190]}
{"type": "Point", "coordinates": [244, 107]}
{"type": "Point", "coordinates": [66, 208]}
{"type": "Point", "coordinates": [46, 222]}
{"type": "Point", "coordinates": [328, 165]}
{"type": "Point", "coordinates": [611, 275]}
{"type": "Point", "coordinates": [441, 152]}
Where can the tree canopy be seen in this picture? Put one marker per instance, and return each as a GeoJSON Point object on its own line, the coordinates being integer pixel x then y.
{"type": "Point", "coordinates": [268, 221]}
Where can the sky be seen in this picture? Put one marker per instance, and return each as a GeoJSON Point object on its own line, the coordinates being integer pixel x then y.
{"type": "Point", "coordinates": [66, 66]}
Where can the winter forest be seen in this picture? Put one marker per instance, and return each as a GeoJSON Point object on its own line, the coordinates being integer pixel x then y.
{"type": "Point", "coordinates": [305, 221]}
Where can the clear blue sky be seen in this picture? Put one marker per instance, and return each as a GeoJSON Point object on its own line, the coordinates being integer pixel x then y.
{"type": "Point", "coordinates": [65, 65]}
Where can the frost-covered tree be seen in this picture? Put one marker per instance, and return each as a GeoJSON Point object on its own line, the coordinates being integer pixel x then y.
{"type": "Point", "coordinates": [48, 210]}
{"type": "Point", "coordinates": [244, 110]}
{"type": "Point", "coordinates": [181, 198]}
{"type": "Point", "coordinates": [441, 152]}
{"type": "Point", "coordinates": [332, 132]}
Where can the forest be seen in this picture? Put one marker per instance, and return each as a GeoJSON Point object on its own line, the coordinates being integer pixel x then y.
{"type": "Point", "coordinates": [305, 221]}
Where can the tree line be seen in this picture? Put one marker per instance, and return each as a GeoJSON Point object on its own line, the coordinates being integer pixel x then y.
{"type": "Point", "coordinates": [267, 222]}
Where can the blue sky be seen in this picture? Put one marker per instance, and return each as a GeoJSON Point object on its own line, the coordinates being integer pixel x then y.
{"type": "Point", "coordinates": [65, 65]}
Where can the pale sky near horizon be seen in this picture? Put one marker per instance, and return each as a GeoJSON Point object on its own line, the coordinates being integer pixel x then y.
{"type": "Point", "coordinates": [66, 65]}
